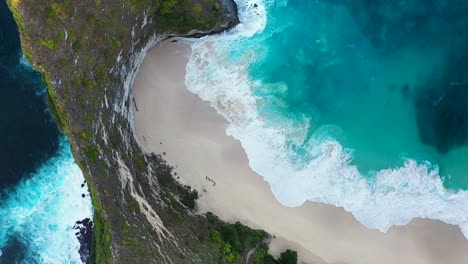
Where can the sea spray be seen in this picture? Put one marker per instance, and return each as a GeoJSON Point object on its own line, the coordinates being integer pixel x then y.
{"type": "Point", "coordinates": [41, 210]}
{"type": "Point", "coordinates": [310, 165]}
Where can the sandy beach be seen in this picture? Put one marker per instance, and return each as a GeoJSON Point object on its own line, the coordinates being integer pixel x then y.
{"type": "Point", "coordinates": [172, 120]}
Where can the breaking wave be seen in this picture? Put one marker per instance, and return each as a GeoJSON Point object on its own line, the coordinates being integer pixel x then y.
{"type": "Point", "coordinates": [40, 212]}
{"type": "Point", "coordinates": [395, 196]}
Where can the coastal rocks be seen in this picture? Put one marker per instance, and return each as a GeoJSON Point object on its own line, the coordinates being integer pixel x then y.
{"type": "Point", "coordinates": [84, 235]}
{"type": "Point", "coordinates": [230, 21]}
{"type": "Point", "coordinates": [231, 11]}
{"type": "Point", "coordinates": [15, 252]}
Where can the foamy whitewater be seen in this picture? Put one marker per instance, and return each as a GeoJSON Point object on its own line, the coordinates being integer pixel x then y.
{"type": "Point", "coordinates": [42, 210]}
{"type": "Point", "coordinates": [393, 197]}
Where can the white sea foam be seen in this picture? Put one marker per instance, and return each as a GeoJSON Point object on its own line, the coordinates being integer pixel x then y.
{"type": "Point", "coordinates": [23, 62]}
{"type": "Point", "coordinates": [41, 211]}
{"type": "Point", "coordinates": [395, 196]}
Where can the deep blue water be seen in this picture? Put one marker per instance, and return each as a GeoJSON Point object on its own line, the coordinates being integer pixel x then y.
{"type": "Point", "coordinates": [40, 184]}
{"type": "Point", "coordinates": [28, 134]}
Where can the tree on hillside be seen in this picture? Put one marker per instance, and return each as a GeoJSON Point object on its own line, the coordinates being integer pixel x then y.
{"type": "Point", "coordinates": [288, 257]}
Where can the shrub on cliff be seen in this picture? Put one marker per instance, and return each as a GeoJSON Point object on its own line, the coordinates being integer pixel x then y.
{"type": "Point", "coordinates": [189, 197]}
{"type": "Point", "coordinates": [262, 257]}
{"type": "Point", "coordinates": [288, 257]}
{"type": "Point", "coordinates": [234, 239]}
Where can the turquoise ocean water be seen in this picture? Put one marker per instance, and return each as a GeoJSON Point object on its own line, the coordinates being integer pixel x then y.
{"type": "Point", "coordinates": [375, 76]}
{"type": "Point", "coordinates": [361, 104]}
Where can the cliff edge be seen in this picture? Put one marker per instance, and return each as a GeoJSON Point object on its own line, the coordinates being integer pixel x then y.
{"type": "Point", "coordinates": [88, 53]}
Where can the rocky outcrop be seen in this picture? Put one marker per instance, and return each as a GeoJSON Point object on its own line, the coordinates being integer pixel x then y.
{"type": "Point", "coordinates": [84, 235]}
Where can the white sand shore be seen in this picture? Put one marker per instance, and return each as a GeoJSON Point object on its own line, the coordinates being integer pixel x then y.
{"type": "Point", "coordinates": [172, 120]}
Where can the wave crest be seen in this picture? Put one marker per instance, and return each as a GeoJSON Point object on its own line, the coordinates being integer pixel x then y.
{"type": "Point", "coordinates": [42, 210]}
{"type": "Point", "coordinates": [394, 197]}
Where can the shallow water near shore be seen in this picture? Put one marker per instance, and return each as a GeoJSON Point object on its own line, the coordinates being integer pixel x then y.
{"type": "Point", "coordinates": [360, 105]}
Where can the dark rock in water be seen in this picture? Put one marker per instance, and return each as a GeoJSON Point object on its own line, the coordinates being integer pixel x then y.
{"type": "Point", "coordinates": [441, 101]}
{"type": "Point", "coordinates": [14, 252]}
{"type": "Point", "coordinates": [442, 105]}
{"type": "Point", "coordinates": [405, 91]}
{"type": "Point", "coordinates": [83, 195]}
{"type": "Point", "coordinates": [84, 236]}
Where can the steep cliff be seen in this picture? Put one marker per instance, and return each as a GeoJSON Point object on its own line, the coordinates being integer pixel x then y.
{"type": "Point", "coordinates": [89, 53]}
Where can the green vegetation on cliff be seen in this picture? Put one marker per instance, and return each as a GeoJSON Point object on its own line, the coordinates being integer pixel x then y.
{"type": "Point", "coordinates": [102, 238]}
{"type": "Point", "coordinates": [262, 257]}
{"type": "Point", "coordinates": [186, 16]}
{"type": "Point", "coordinates": [234, 239]}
